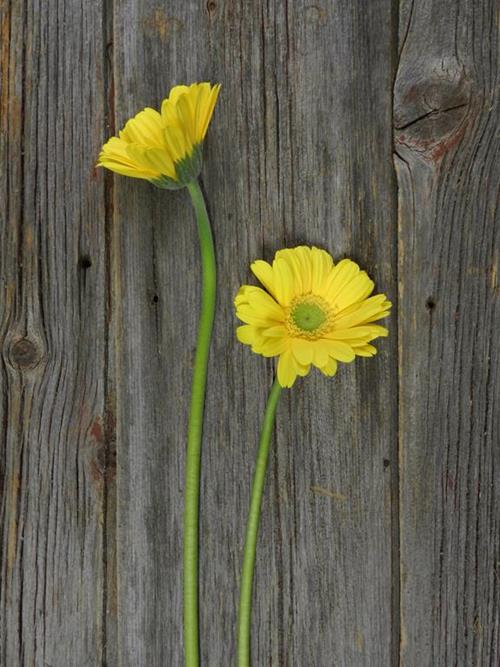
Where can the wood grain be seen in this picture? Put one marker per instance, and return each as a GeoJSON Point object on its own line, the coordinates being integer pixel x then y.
{"type": "Point", "coordinates": [292, 157]}
{"type": "Point", "coordinates": [53, 336]}
{"type": "Point", "coordinates": [446, 119]}
{"type": "Point", "coordinates": [364, 128]}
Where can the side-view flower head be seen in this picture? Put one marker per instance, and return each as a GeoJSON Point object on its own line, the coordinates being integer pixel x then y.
{"type": "Point", "coordinates": [314, 312]}
{"type": "Point", "coordinates": [164, 147]}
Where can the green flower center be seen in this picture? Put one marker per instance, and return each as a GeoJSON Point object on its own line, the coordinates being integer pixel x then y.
{"type": "Point", "coordinates": [308, 316]}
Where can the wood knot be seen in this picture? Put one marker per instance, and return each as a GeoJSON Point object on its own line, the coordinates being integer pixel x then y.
{"type": "Point", "coordinates": [24, 354]}
{"type": "Point", "coordinates": [158, 24]}
{"type": "Point", "coordinates": [431, 107]}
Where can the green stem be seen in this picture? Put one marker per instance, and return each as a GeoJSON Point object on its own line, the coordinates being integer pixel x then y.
{"type": "Point", "coordinates": [245, 609]}
{"type": "Point", "coordinates": [193, 454]}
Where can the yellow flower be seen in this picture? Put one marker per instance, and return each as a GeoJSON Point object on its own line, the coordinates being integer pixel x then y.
{"type": "Point", "coordinates": [314, 312]}
{"type": "Point", "coordinates": [164, 147]}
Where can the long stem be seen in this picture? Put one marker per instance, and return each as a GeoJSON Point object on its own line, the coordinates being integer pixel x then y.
{"type": "Point", "coordinates": [245, 609]}
{"type": "Point", "coordinates": [193, 454]}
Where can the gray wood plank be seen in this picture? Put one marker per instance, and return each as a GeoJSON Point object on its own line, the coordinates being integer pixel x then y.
{"type": "Point", "coordinates": [446, 142]}
{"type": "Point", "coordinates": [300, 151]}
{"type": "Point", "coordinates": [98, 308]}
{"type": "Point", "coordinates": [53, 335]}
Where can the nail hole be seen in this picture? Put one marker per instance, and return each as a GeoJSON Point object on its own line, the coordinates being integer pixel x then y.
{"type": "Point", "coordinates": [430, 303]}
{"type": "Point", "coordinates": [155, 299]}
{"type": "Point", "coordinates": [84, 262]}
{"type": "Point", "coordinates": [387, 463]}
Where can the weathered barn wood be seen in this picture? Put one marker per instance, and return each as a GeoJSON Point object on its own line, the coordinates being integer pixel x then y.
{"type": "Point", "coordinates": [446, 145]}
{"type": "Point", "coordinates": [367, 128]}
{"type": "Point", "coordinates": [54, 329]}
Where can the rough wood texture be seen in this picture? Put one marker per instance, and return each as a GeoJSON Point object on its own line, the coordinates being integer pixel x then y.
{"type": "Point", "coordinates": [380, 533]}
{"type": "Point", "coordinates": [446, 145]}
{"type": "Point", "coordinates": [54, 332]}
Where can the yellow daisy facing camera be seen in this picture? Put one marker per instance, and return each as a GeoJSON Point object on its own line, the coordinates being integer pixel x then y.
{"type": "Point", "coordinates": [312, 312]}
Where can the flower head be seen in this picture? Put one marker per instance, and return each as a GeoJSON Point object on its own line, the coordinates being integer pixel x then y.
{"type": "Point", "coordinates": [314, 312]}
{"type": "Point", "coordinates": [164, 147]}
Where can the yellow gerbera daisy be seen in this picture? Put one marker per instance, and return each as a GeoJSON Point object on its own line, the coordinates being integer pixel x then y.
{"type": "Point", "coordinates": [314, 312]}
{"type": "Point", "coordinates": [164, 147]}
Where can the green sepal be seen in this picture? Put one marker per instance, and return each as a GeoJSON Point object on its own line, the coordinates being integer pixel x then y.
{"type": "Point", "coordinates": [187, 171]}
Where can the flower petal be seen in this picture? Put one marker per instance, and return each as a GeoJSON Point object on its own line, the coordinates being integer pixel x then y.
{"type": "Point", "coordinates": [302, 351]}
{"type": "Point", "coordinates": [278, 331]}
{"type": "Point", "coordinates": [271, 347]}
{"type": "Point", "coordinates": [322, 265]}
{"type": "Point", "coordinates": [339, 350]}
{"type": "Point", "coordinates": [365, 351]}
{"type": "Point", "coordinates": [284, 281]}
{"type": "Point", "coordinates": [321, 352]}
{"type": "Point", "coordinates": [264, 272]}
{"type": "Point", "coordinates": [145, 129]}
{"type": "Point", "coordinates": [287, 369]}
{"type": "Point", "coordinates": [330, 368]}
{"type": "Point", "coordinates": [374, 308]}
{"type": "Point", "coordinates": [247, 334]}
{"type": "Point", "coordinates": [263, 302]}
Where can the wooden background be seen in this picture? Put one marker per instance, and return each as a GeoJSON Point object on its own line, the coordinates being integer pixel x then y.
{"type": "Point", "coordinates": [368, 128]}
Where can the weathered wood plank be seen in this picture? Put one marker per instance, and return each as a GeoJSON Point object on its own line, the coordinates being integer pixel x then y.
{"type": "Point", "coordinates": [446, 117]}
{"type": "Point", "coordinates": [52, 335]}
{"type": "Point", "coordinates": [300, 151]}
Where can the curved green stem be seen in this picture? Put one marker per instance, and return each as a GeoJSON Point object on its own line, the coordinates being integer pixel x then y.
{"type": "Point", "coordinates": [245, 609]}
{"type": "Point", "coordinates": [193, 454]}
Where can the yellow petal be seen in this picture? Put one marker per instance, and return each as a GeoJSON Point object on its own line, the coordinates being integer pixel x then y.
{"type": "Point", "coordinates": [330, 368]}
{"type": "Point", "coordinates": [292, 257]}
{"type": "Point", "coordinates": [145, 129]}
{"type": "Point", "coordinates": [247, 334]}
{"type": "Point", "coordinates": [176, 92]}
{"type": "Point", "coordinates": [264, 272]}
{"type": "Point", "coordinates": [206, 107]}
{"type": "Point", "coordinates": [271, 347]}
{"type": "Point", "coordinates": [321, 353]}
{"type": "Point", "coordinates": [178, 144]}
{"type": "Point", "coordinates": [359, 288]}
{"type": "Point", "coordinates": [125, 170]}
{"type": "Point", "coordinates": [365, 351]}
{"type": "Point", "coordinates": [374, 308]}
{"type": "Point", "coordinates": [155, 160]}
{"type": "Point", "coordinates": [169, 105]}
{"type": "Point", "coordinates": [287, 369]}
{"type": "Point", "coordinates": [302, 351]}
{"type": "Point", "coordinates": [322, 265]}
{"type": "Point", "coordinates": [339, 350]}
{"type": "Point", "coordinates": [354, 333]}
{"type": "Point", "coordinates": [340, 275]}
{"type": "Point", "coordinates": [252, 316]}
{"type": "Point", "coordinates": [279, 331]}
{"type": "Point", "coordinates": [302, 370]}
{"type": "Point", "coordinates": [115, 148]}
{"type": "Point", "coordinates": [264, 303]}
{"type": "Point", "coordinates": [283, 281]}
{"type": "Point", "coordinates": [186, 112]}
{"type": "Point", "coordinates": [377, 330]}
{"type": "Point", "coordinates": [242, 295]}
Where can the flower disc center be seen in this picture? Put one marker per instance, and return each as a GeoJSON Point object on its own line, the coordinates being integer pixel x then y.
{"type": "Point", "coordinates": [308, 316]}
